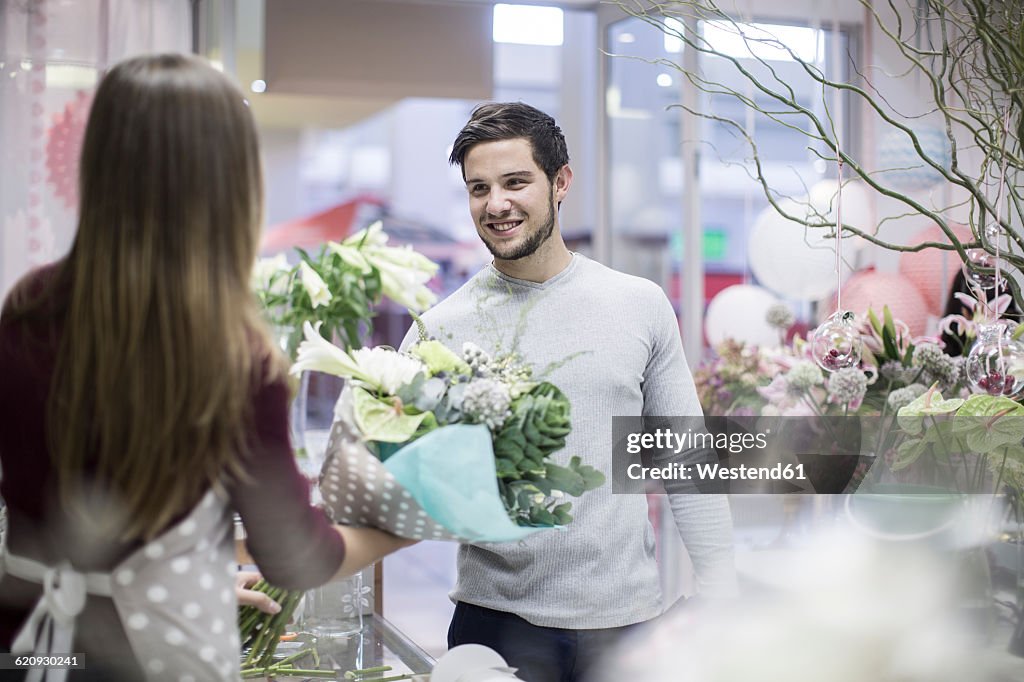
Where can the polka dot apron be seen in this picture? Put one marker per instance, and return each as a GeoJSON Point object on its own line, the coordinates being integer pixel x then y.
{"type": "Point", "coordinates": [175, 596]}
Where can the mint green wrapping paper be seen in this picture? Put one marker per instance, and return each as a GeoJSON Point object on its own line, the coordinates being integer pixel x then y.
{"type": "Point", "coordinates": [450, 473]}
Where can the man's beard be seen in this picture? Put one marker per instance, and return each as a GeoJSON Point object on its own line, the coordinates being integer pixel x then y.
{"type": "Point", "coordinates": [532, 243]}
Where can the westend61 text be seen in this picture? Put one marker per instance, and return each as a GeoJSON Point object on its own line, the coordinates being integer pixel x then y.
{"type": "Point", "coordinates": [709, 472]}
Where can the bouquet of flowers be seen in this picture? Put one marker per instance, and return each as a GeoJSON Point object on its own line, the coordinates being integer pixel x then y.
{"type": "Point", "coordinates": [428, 444]}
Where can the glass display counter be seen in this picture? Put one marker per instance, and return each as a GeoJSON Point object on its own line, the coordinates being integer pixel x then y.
{"type": "Point", "coordinates": [378, 644]}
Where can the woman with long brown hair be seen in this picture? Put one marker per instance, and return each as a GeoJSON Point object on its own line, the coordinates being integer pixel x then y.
{"type": "Point", "coordinates": [142, 400]}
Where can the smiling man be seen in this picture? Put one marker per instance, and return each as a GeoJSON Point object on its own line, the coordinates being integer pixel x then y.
{"type": "Point", "coordinates": [554, 602]}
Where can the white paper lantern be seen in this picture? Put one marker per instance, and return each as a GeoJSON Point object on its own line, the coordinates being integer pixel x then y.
{"type": "Point", "coordinates": [792, 260]}
{"type": "Point", "coordinates": [740, 312]}
{"type": "Point", "coordinates": [823, 197]}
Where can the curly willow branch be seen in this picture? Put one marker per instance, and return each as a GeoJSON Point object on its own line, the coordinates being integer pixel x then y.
{"type": "Point", "coordinates": [975, 76]}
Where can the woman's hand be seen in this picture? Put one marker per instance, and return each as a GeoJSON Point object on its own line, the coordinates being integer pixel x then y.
{"type": "Point", "coordinates": [247, 597]}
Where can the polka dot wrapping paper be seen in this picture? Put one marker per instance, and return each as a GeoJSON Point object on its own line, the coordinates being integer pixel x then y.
{"type": "Point", "coordinates": [442, 486]}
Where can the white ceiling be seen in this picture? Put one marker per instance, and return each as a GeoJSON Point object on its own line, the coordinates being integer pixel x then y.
{"type": "Point", "coordinates": [324, 109]}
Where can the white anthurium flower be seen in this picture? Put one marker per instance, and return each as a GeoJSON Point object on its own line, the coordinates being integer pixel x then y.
{"type": "Point", "coordinates": [268, 274]}
{"type": "Point", "coordinates": [386, 369]}
{"type": "Point", "coordinates": [318, 354]}
{"type": "Point", "coordinates": [377, 369]}
{"type": "Point", "coordinates": [317, 289]}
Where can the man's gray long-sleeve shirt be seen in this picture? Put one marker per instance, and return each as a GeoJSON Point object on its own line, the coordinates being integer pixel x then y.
{"type": "Point", "coordinates": [611, 343]}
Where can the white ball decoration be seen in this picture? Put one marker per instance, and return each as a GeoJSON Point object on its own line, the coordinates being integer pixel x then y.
{"type": "Point", "coordinates": [823, 199]}
{"type": "Point", "coordinates": [740, 312]}
{"type": "Point", "coordinates": [790, 259]}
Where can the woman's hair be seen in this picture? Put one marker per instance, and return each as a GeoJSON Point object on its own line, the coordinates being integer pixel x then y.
{"type": "Point", "coordinates": [163, 343]}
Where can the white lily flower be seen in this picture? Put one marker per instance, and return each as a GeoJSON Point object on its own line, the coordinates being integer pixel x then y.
{"type": "Point", "coordinates": [403, 275]}
{"type": "Point", "coordinates": [318, 354]}
{"type": "Point", "coordinates": [317, 289]}
{"type": "Point", "coordinates": [387, 370]}
{"type": "Point", "coordinates": [403, 271]}
{"type": "Point", "coordinates": [374, 235]}
{"type": "Point", "coordinates": [405, 257]}
{"type": "Point", "coordinates": [351, 255]}
{"type": "Point", "coordinates": [268, 274]}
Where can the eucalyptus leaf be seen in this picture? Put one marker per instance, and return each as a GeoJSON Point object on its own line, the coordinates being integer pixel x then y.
{"type": "Point", "coordinates": [567, 480]}
{"type": "Point", "coordinates": [430, 394]}
{"type": "Point", "coordinates": [412, 391]}
{"type": "Point", "coordinates": [592, 478]}
{"type": "Point", "coordinates": [542, 517]}
{"type": "Point", "coordinates": [561, 513]}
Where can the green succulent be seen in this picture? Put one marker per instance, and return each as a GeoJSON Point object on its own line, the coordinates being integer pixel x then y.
{"type": "Point", "coordinates": [531, 486]}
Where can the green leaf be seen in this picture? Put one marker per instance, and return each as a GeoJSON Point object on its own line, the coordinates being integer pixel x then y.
{"type": "Point", "coordinates": [542, 517]}
{"type": "Point", "coordinates": [979, 405]}
{"type": "Point", "coordinates": [381, 421]}
{"type": "Point", "coordinates": [505, 468]}
{"type": "Point", "coordinates": [543, 484]}
{"type": "Point", "coordinates": [561, 513]}
{"type": "Point", "coordinates": [989, 422]}
{"type": "Point", "coordinates": [1013, 452]}
{"type": "Point", "coordinates": [567, 480]}
{"type": "Point", "coordinates": [875, 324]}
{"type": "Point", "coordinates": [908, 452]}
{"type": "Point", "coordinates": [889, 335]}
{"type": "Point", "coordinates": [592, 478]}
{"type": "Point", "coordinates": [908, 357]}
{"type": "Point", "coordinates": [524, 498]}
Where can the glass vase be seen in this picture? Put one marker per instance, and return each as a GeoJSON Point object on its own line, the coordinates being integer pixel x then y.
{"type": "Point", "coordinates": [335, 610]}
{"type": "Point", "coordinates": [995, 364]}
{"type": "Point", "coordinates": [297, 418]}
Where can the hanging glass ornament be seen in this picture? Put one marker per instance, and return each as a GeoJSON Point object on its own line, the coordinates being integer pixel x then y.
{"type": "Point", "coordinates": [995, 364]}
{"type": "Point", "coordinates": [836, 341]}
{"type": "Point", "coordinates": [981, 265]}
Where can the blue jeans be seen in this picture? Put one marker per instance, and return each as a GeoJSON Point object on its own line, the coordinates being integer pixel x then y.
{"type": "Point", "coordinates": [538, 653]}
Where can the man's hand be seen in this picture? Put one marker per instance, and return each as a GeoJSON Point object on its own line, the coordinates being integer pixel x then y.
{"type": "Point", "coordinates": [247, 597]}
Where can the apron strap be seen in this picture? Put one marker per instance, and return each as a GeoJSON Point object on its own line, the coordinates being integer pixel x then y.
{"type": "Point", "coordinates": [50, 628]}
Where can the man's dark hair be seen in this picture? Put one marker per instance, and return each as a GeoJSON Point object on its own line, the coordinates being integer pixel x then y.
{"type": "Point", "coordinates": [509, 121]}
